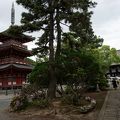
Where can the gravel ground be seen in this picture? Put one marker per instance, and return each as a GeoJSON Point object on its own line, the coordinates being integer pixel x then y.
{"type": "Point", "coordinates": [5, 115]}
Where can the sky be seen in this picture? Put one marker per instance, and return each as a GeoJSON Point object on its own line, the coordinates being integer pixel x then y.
{"type": "Point", "coordinates": [106, 20]}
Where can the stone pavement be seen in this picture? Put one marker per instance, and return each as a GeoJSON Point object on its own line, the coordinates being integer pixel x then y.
{"type": "Point", "coordinates": [4, 105]}
{"type": "Point", "coordinates": [111, 106]}
{"type": "Point", "coordinates": [6, 96]}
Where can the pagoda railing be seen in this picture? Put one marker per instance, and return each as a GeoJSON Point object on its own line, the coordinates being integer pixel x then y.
{"type": "Point", "coordinates": [13, 60]}
{"type": "Point", "coordinates": [12, 42]}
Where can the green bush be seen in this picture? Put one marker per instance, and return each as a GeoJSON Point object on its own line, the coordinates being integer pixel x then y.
{"type": "Point", "coordinates": [103, 84]}
{"type": "Point", "coordinates": [69, 90]}
{"type": "Point", "coordinates": [42, 103]}
{"type": "Point", "coordinates": [19, 103]}
{"type": "Point", "coordinates": [71, 97]}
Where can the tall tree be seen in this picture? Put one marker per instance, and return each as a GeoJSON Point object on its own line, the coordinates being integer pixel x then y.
{"type": "Point", "coordinates": [41, 17]}
{"type": "Point", "coordinates": [49, 16]}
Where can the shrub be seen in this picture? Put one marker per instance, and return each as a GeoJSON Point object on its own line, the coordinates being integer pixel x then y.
{"type": "Point", "coordinates": [71, 97]}
{"type": "Point", "coordinates": [19, 103]}
{"type": "Point", "coordinates": [103, 84]}
{"type": "Point", "coordinates": [42, 103]}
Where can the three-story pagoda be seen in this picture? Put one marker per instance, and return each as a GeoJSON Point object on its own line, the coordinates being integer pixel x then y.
{"type": "Point", "coordinates": [13, 66]}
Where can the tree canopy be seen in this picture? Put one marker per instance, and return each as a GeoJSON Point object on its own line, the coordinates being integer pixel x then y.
{"type": "Point", "coordinates": [48, 18]}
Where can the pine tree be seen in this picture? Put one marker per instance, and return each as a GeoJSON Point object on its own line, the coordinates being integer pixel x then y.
{"type": "Point", "coordinates": [49, 16]}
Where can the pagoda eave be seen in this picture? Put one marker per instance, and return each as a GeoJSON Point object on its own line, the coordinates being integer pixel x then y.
{"type": "Point", "coordinates": [22, 38]}
{"type": "Point", "coordinates": [16, 67]}
{"type": "Point", "coordinates": [6, 50]}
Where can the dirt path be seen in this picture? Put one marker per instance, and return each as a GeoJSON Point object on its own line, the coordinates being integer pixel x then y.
{"type": "Point", "coordinates": [34, 113]}
{"type": "Point", "coordinates": [6, 116]}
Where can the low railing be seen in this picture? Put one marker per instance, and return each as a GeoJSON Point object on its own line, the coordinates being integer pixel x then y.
{"type": "Point", "coordinates": [13, 60]}
{"type": "Point", "coordinates": [12, 42]}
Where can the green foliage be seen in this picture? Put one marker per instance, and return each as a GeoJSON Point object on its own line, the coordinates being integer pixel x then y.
{"type": "Point", "coordinates": [30, 61]}
{"type": "Point", "coordinates": [75, 13]}
{"type": "Point", "coordinates": [71, 97]}
{"type": "Point", "coordinates": [19, 103]}
{"type": "Point", "coordinates": [72, 40]}
{"type": "Point", "coordinates": [75, 67]}
{"type": "Point", "coordinates": [80, 67]}
{"type": "Point", "coordinates": [70, 62]}
{"type": "Point", "coordinates": [39, 75]}
{"type": "Point", "coordinates": [14, 30]}
{"type": "Point", "coordinates": [103, 84]}
{"type": "Point", "coordinates": [106, 56]}
{"type": "Point", "coordinates": [69, 90]}
{"type": "Point", "coordinates": [41, 103]}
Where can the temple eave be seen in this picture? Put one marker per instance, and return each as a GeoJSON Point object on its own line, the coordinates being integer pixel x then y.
{"type": "Point", "coordinates": [20, 50]}
{"type": "Point", "coordinates": [16, 66]}
{"type": "Point", "coordinates": [24, 39]}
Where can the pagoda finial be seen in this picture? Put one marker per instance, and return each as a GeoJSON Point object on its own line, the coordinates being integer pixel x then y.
{"type": "Point", "coordinates": [12, 14]}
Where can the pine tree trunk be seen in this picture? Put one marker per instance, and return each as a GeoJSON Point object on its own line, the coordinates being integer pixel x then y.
{"type": "Point", "coordinates": [52, 79]}
{"type": "Point", "coordinates": [58, 49]}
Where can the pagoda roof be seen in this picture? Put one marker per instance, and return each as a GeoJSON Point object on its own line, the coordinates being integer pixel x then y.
{"type": "Point", "coordinates": [15, 32]}
{"type": "Point", "coordinates": [16, 66]}
{"type": "Point", "coordinates": [19, 51]}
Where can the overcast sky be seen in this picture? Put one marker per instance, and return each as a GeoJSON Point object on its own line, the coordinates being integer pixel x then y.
{"type": "Point", "coordinates": [106, 20]}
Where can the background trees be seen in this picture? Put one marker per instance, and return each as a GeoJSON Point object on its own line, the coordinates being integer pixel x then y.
{"type": "Point", "coordinates": [107, 56]}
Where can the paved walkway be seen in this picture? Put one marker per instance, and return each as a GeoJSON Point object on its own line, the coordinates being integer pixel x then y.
{"type": "Point", "coordinates": [111, 107]}
{"type": "Point", "coordinates": [4, 104]}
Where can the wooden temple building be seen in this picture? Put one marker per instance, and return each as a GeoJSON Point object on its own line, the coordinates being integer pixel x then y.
{"type": "Point", "coordinates": [13, 67]}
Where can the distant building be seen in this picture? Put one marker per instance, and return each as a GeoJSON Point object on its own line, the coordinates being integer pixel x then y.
{"type": "Point", "coordinates": [114, 70]}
